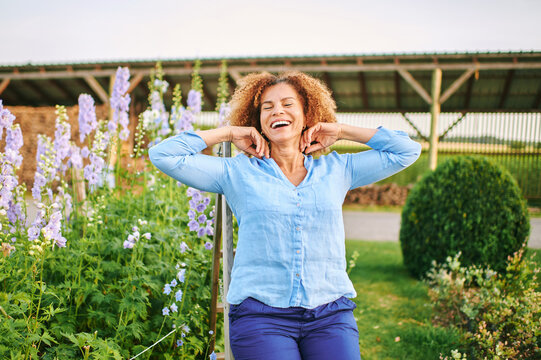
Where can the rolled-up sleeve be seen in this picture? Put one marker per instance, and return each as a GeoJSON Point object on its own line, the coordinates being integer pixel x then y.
{"type": "Point", "coordinates": [178, 157]}
{"type": "Point", "coordinates": [392, 151]}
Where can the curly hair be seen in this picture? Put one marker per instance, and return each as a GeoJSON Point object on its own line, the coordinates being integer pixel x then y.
{"type": "Point", "coordinates": [318, 104]}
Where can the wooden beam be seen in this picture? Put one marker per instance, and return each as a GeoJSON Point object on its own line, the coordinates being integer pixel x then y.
{"type": "Point", "coordinates": [134, 82]}
{"type": "Point", "coordinates": [506, 87]}
{"type": "Point", "coordinates": [364, 95]}
{"type": "Point", "coordinates": [434, 114]}
{"type": "Point", "coordinates": [416, 86]}
{"type": "Point", "coordinates": [456, 85]}
{"type": "Point", "coordinates": [397, 90]}
{"type": "Point", "coordinates": [235, 74]}
{"type": "Point", "coordinates": [96, 87]}
{"type": "Point", "coordinates": [4, 84]}
{"type": "Point", "coordinates": [41, 93]}
{"type": "Point", "coordinates": [235, 71]}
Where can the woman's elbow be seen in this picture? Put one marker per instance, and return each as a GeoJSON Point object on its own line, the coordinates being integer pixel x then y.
{"type": "Point", "coordinates": [412, 155]}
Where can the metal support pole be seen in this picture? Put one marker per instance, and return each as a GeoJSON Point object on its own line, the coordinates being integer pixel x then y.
{"type": "Point", "coordinates": [227, 260]}
{"type": "Point", "coordinates": [434, 114]}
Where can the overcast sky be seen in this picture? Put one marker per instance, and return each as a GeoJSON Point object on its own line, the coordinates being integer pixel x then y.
{"type": "Point", "coordinates": [100, 30]}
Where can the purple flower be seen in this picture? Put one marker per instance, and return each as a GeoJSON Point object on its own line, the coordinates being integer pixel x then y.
{"type": "Point", "coordinates": [178, 295]}
{"type": "Point", "coordinates": [180, 275]}
{"type": "Point", "coordinates": [201, 207]}
{"type": "Point", "coordinates": [201, 231]}
{"type": "Point", "coordinates": [85, 152]}
{"type": "Point", "coordinates": [120, 102]}
{"type": "Point", "coordinates": [183, 247]}
{"type": "Point", "coordinates": [87, 116]}
{"type": "Point", "coordinates": [167, 289]}
{"type": "Point", "coordinates": [6, 119]}
{"type": "Point", "coordinates": [191, 214]}
{"type": "Point", "coordinates": [147, 236]}
{"type": "Point", "coordinates": [202, 218]}
{"type": "Point", "coordinates": [193, 225]}
{"type": "Point", "coordinates": [208, 245]}
{"type": "Point", "coordinates": [165, 311]}
{"type": "Point", "coordinates": [174, 307]}
{"type": "Point", "coordinates": [75, 157]}
{"type": "Point", "coordinates": [194, 101]}
{"type": "Point", "coordinates": [174, 283]}
{"type": "Point", "coordinates": [128, 244]}
{"type": "Point", "coordinates": [33, 232]}
{"type": "Point", "coordinates": [213, 356]}
{"type": "Point", "coordinates": [179, 343]}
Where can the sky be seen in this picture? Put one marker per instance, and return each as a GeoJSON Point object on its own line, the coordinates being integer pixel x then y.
{"type": "Point", "coordinates": [63, 31]}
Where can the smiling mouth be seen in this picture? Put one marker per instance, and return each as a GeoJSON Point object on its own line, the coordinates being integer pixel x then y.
{"type": "Point", "coordinates": [280, 123]}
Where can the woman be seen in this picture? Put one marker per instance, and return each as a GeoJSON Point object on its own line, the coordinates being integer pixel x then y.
{"type": "Point", "coordinates": [289, 287]}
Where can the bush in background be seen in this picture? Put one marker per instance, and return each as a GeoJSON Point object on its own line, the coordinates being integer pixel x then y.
{"type": "Point", "coordinates": [499, 314]}
{"type": "Point", "coordinates": [468, 205]}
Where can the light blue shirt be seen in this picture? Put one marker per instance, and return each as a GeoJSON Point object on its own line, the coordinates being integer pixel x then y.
{"type": "Point", "coordinates": [291, 248]}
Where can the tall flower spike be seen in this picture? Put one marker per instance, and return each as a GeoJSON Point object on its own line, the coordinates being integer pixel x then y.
{"type": "Point", "coordinates": [120, 103]}
{"type": "Point", "coordinates": [87, 116]}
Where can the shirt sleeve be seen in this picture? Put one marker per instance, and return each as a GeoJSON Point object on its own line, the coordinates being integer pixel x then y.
{"type": "Point", "coordinates": [178, 156]}
{"type": "Point", "coordinates": [392, 151]}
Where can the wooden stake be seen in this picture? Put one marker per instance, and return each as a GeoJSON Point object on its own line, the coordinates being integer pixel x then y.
{"type": "Point", "coordinates": [434, 113]}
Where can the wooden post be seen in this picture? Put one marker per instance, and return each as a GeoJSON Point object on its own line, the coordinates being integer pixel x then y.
{"type": "Point", "coordinates": [434, 113]}
{"type": "Point", "coordinates": [227, 260]}
{"type": "Point", "coordinates": [216, 268]}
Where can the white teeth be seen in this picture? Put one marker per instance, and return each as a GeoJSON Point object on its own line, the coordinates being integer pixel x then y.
{"type": "Point", "coordinates": [274, 125]}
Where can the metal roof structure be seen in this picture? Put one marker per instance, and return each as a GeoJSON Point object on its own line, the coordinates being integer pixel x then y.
{"type": "Point", "coordinates": [470, 82]}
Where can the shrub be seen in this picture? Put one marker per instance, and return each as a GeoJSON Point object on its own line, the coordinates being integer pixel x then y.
{"type": "Point", "coordinates": [500, 315]}
{"type": "Point", "coordinates": [467, 204]}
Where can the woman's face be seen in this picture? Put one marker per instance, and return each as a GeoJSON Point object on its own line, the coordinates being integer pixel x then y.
{"type": "Point", "coordinates": [282, 115]}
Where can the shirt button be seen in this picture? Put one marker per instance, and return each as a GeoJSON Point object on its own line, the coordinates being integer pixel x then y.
{"type": "Point", "coordinates": [298, 228]}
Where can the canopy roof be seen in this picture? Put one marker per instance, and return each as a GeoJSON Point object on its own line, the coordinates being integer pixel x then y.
{"type": "Point", "coordinates": [472, 82]}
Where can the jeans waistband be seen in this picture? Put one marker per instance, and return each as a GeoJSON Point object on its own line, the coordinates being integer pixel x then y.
{"type": "Point", "coordinates": [251, 306]}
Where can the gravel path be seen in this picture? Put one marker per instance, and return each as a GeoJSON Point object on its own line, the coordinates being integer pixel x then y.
{"type": "Point", "coordinates": [385, 226]}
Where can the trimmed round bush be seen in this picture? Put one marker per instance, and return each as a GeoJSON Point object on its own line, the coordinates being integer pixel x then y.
{"type": "Point", "coordinates": [467, 204]}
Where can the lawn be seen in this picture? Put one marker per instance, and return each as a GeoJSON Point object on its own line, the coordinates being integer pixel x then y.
{"type": "Point", "coordinates": [393, 311]}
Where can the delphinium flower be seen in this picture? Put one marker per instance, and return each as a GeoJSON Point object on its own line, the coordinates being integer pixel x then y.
{"type": "Point", "coordinates": [10, 161]}
{"type": "Point", "coordinates": [198, 220]}
{"type": "Point", "coordinates": [45, 165]}
{"type": "Point", "coordinates": [62, 146]}
{"type": "Point", "coordinates": [213, 356]}
{"type": "Point", "coordinates": [93, 171]}
{"type": "Point", "coordinates": [87, 116]}
{"type": "Point", "coordinates": [171, 287]}
{"type": "Point", "coordinates": [223, 114]}
{"type": "Point", "coordinates": [120, 103]}
{"type": "Point", "coordinates": [135, 235]}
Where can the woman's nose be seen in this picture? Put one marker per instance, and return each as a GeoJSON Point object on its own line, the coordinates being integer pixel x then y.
{"type": "Point", "coordinates": [278, 109]}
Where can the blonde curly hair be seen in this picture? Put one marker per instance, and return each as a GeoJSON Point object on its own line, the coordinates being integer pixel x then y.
{"type": "Point", "coordinates": [318, 104]}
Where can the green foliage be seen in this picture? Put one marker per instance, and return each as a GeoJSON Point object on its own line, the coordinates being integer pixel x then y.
{"type": "Point", "coordinates": [197, 81]}
{"type": "Point", "coordinates": [467, 205]}
{"type": "Point", "coordinates": [499, 314]}
{"type": "Point", "coordinates": [95, 299]}
{"type": "Point", "coordinates": [223, 86]}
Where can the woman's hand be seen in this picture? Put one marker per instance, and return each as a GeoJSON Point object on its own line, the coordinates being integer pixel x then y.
{"type": "Point", "coordinates": [249, 140]}
{"type": "Point", "coordinates": [320, 136]}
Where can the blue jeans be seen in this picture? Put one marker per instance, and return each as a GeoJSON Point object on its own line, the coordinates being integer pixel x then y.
{"type": "Point", "coordinates": [327, 332]}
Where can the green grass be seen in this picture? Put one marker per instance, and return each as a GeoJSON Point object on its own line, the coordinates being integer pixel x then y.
{"type": "Point", "coordinates": [391, 304]}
